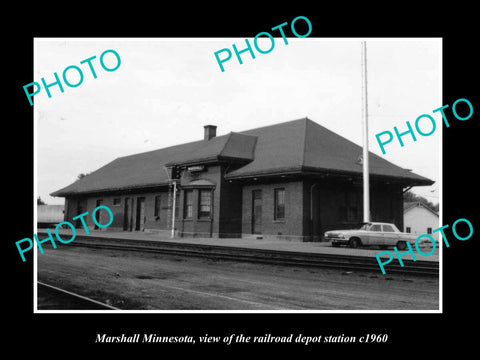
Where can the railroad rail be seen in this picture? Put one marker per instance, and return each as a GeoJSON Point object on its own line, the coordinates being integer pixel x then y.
{"type": "Point", "coordinates": [55, 298]}
{"type": "Point", "coordinates": [277, 257]}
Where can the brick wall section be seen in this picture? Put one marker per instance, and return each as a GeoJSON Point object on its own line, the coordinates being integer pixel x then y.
{"type": "Point", "coordinates": [162, 223]}
{"type": "Point", "coordinates": [195, 226]}
{"type": "Point", "coordinates": [232, 207]}
{"type": "Point", "coordinates": [387, 203]}
{"type": "Point", "coordinates": [291, 228]}
{"type": "Point", "coordinates": [74, 206]}
{"type": "Point", "coordinates": [329, 195]}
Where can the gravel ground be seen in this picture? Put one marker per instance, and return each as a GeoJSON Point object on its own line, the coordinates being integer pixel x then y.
{"type": "Point", "coordinates": [141, 281]}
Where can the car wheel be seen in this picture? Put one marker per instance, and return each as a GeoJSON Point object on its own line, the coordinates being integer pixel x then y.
{"type": "Point", "coordinates": [354, 243]}
{"type": "Point", "coordinates": [401, 245]}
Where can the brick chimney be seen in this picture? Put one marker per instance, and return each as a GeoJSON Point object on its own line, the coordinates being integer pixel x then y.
{"type": "Point", "coordinates": [210, 132]}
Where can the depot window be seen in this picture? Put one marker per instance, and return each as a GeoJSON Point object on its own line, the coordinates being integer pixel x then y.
{"type": "Point", "coordinates": [349, 205]}
{"type": "Point", "coordinates": [188, 208]}
{"type": "Point", "coordinates": [279, 206]}
{"type": "Point", "coordinates": [157, 206]}
{"type": "Point", "coordinates": [204, 203]}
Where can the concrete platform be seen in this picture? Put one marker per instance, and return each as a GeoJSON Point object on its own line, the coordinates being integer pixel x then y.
{"type": "Point", "coordinates": [277, 245]}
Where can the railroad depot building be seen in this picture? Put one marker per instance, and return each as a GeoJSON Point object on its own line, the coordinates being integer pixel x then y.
{"type": "Point", "coordinates": [293, 180]}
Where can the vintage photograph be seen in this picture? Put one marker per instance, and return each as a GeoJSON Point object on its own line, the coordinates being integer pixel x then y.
{"type": "Point", "coordinates": [167, 183]}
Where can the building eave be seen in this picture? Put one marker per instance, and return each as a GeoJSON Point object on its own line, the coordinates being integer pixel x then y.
{"type": "Point", "coordinates": [209, 161]}
{"type": "Point", "coordinates": [111, 190]}
{"type": "Point", "coordinates": [307, 171]}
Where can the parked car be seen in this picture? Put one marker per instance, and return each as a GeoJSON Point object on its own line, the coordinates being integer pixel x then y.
{"type": "Point", "coordinates": [371, 233]}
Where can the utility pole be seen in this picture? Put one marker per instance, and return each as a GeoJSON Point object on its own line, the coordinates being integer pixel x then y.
{"type": "Point", "coordinates": [172, 180]}
{"type": "Point", "coordinates": [174, 205]}
{"type": "Point", "coordinates": [366, 180]}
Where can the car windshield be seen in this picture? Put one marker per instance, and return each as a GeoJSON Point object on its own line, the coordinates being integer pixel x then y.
{"type": "Point", "coordinates": [362, 226]}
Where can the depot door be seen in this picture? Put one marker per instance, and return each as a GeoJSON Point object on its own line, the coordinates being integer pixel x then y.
{"type": "Point", "coordinates": [140, 223]}
{"type": "Point", "coordinates": [256, 211]}
{"type": "Point", "coordinates": [128, 215]}
{"type": "Point", "coordinates": [98, 214]}
{"type": "Point", "coordinates": [81, 207]}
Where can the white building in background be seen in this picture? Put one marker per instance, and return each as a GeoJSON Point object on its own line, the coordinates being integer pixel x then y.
{"type": "Point", "coordinates": [419, 219]}
{"type": "Point", "coordinates": [49, 215]}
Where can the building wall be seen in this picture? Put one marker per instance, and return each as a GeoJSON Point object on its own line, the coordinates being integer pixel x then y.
{"type": "Point", "coordinates": [337, 203]}
{"type": "Point", "coordinates": [386, 203]}
{"type": "Point", "coordinates": [224, 220]}
{"type": "Point", "coordinates": [419, 220]}
{"type": "Point", "coordinates": [291, 227]}
{"type": "Point", "coordinates": [196, 226]}
{"type": "Point", "coordinates": [160, 222]}
{"type": "Point", "coordinates": [311, 207]}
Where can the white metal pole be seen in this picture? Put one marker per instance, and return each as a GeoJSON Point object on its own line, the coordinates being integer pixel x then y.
{"type": "Point", "coordinates": [366, 180]}
{"type": "Point", "coordinates": [174, 205]}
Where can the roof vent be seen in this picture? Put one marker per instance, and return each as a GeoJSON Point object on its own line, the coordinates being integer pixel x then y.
{"type": "Point", "coordinates": [210, 132]}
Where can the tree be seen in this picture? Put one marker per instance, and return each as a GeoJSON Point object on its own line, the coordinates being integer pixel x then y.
{"type": "Point", "coordinates": [40, 201]}
{"type": "Point", "coordinates": [82, 175]}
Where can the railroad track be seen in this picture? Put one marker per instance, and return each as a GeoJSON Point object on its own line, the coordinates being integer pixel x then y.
{"type": "Point", "coordinates": [277, 257]}
{"type": "Point", "coordinates": [54, 298]}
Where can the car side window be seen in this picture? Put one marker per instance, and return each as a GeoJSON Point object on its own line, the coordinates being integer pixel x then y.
{"type": "Point", "coordinates": [375, 227]}
{"type": "Point", "coordinates": [388, 228]}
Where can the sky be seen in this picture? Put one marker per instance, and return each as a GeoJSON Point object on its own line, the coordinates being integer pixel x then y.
{"type": "Point", "coordinates": [166, 89]}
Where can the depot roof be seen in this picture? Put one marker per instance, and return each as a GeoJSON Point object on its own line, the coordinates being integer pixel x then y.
{"type": "Point", "coordinates": [294, 147]}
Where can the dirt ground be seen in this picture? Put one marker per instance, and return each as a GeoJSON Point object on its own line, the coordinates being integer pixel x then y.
{"type": "Point", "coordinates": [141, 281]}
